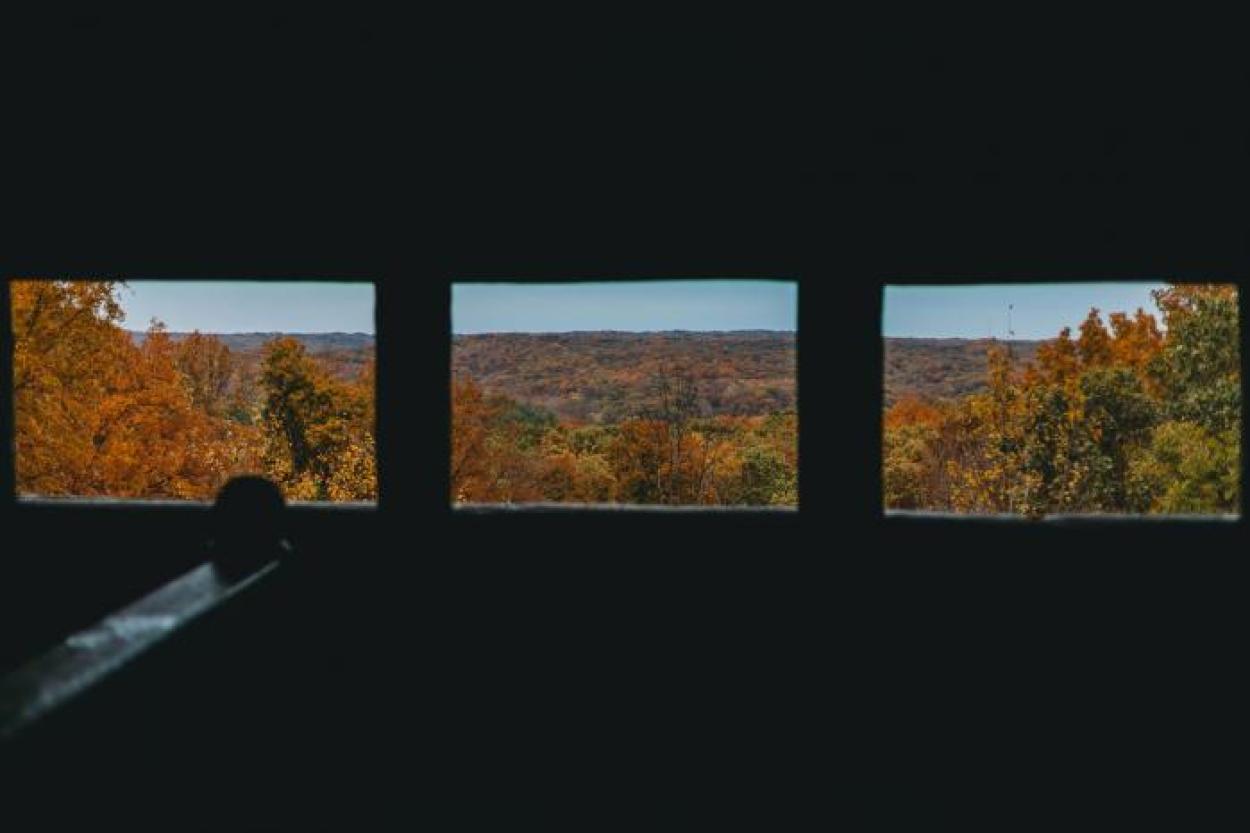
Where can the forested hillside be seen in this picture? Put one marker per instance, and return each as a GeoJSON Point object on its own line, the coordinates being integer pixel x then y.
{"type": "Point", "coordinates": [647, 418]}
{"type": "Point", "coordinates": [601, 377]}
{"type": "Point", "coordinates": [1129, 416]}
{"type": "Point", "coordinates": [101, 412]}
{"type": "Point", "coordinates": [942, 368]}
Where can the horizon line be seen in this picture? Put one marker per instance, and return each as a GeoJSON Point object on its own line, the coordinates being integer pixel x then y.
{"type": "Point", "coordinates": [262, 332]}
{"type": "Point", "coordinates": [567, 332]}
{"type": "Point", "coordinates": [972, 338]}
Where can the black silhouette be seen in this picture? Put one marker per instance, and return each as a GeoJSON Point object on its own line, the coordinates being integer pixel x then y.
{"type": "Point", "coordinates": [248, 526]}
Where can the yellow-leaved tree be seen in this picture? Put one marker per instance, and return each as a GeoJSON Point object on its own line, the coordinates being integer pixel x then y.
{"type": "Point", "coordinates": [319, 439]}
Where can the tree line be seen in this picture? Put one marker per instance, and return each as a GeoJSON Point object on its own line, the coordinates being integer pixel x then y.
{"type": "Point", "coordinates": [1126, 417]}
{"type": "Point", "coordinates": [98, 415]}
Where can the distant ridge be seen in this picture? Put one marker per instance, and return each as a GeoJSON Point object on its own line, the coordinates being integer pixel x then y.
{"type": "Point", "coordinates": [942, 368]}
{"type": "Point", "coordinates": [248, 342]}
{"type": "Point", "coordinates": [604, 376]}
{"type": "Point", "coordinates": [629, 333]}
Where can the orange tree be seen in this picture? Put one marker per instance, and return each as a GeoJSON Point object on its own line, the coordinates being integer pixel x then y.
{"type": "Point", "coordinates": [97, 415]}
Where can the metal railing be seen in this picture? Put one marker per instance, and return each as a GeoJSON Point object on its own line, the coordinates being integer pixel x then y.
{"type": "Point", "coordinates": [89, 656]}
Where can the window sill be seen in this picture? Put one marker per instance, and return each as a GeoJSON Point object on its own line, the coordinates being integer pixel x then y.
{"type": "Point", "coordinates": [1085, 519]}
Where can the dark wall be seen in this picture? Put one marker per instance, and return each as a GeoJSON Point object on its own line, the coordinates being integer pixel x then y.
{"type": "Point", "coordinates": [658, 671]}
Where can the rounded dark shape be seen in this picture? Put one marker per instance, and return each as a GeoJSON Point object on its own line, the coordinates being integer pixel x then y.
{"type": "Point", "coordinates": [249, 495]}
{"type": "Point", "coordinates": [248, 513]}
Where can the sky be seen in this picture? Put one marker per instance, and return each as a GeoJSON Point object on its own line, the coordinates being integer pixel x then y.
{"type": "Point", "coordinates": [1039, 310]}
{"type": "Point", "coordinates": [624, 305]}
{"type": "Point", "coordinates": [249, 306]}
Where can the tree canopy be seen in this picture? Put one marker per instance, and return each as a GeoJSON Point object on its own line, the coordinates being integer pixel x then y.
{"type": "Point", "coordinates": [664, 452]}
{"type": "Point", "coordinates": [1128, 418]}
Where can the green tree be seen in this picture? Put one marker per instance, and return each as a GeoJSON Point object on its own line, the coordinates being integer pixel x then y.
{"type": "Point", "coordinates": [1199, 368]}
{"type": "Point", "coordinates": [765, 478]}
{"type": "Point", "coordinates": [1050, 454]}
{"type": "Point", "coordinates": [1189, 469]}
{"type": "Point", "coordinates": [1117, 419]}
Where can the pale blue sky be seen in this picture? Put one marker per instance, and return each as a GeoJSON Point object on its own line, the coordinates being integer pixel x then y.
{"type": "Point", "coordinates": [249, 306]}
{"type": "Point", "coordinates": [624, 305]}
{"type": "Point", "coordinates": [1040, 310]}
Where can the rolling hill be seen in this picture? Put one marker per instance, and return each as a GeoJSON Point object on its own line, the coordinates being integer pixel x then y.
{"type": "Point", "coordinates": [941, 368]}
{"type": "Point", "coordinates": [603, 376]}
{"type": "Point", "coordinates": [315, 342]}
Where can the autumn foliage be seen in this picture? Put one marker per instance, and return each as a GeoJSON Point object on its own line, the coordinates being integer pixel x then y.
{"type": "Point", "coordinates": [604, 377]}
{"type": "Point", "coordinates": [99, 415]}
{"type": "Point", "coordinates": [1133, 417]}
{"type": "Point", "coordinates": [665, 450]}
